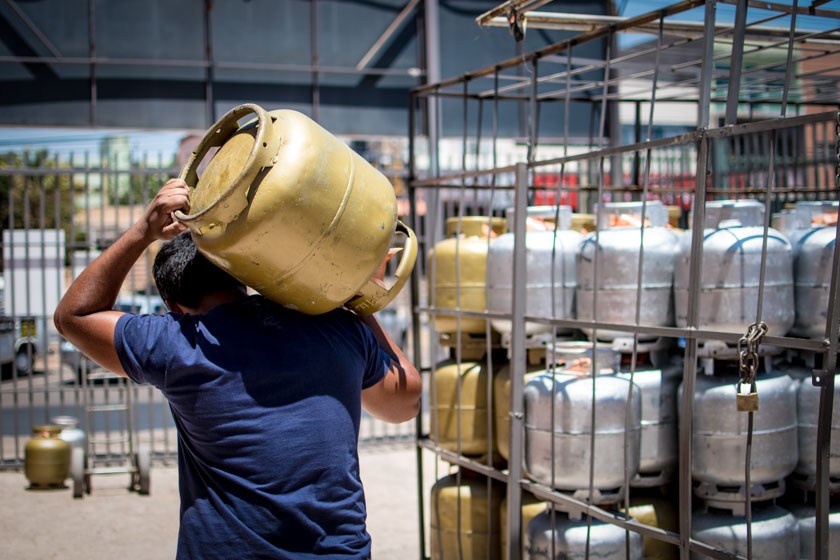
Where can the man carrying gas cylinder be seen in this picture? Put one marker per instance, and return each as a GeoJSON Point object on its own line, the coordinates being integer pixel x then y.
{"type": "Point", "coordinates": [266, 400]}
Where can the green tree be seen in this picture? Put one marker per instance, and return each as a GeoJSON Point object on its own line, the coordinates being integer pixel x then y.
{"type": "Point", "coordinates": [37, 199]}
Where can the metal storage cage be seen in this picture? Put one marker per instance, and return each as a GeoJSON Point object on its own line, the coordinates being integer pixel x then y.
{"type": "Point", "coordinates": [548, 435]}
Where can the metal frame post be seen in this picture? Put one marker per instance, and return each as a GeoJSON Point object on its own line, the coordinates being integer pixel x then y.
{"type": "Point", "coordinates": [415, 316]}
{"type": "Point", "coordinates": [690, 362]}
{"type": "Point", "coordinates": [92, 55]}
{"type": "Point", "coordinates": [825, 379]}
{"type": "Point", "coordinates": [708, 68]}
{"type": "Point", "coordinates": [736, 62]}
{"type": "Point", "coordinates": [517, 367]}
{"type": "Point", "coordinates": [695, 272]}
{"type": "Point", "coordinates": [210, 110]}
{"type": "Point", "coordinates": [432, 46]}
{"type": "Point", "coordinates": [313, 41]}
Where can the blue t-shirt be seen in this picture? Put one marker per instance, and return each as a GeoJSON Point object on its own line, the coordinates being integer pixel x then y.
{"type": "Point", "coordinates": [267, 404]}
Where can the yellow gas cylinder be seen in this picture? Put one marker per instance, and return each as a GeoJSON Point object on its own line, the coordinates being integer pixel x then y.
{"type": "Point", "coordinates": [674, 213]}
{"type": "Point", "coordinates": [46, 457]}
{"type": "Point", "coordinates": [474, 534]}
{"type": "Point", "coordinates": [472, 409]}
{"type": "Point", "coordinates": [651, 507]}
{"type": "Point", "coordinates": [584, 223]}
{"type": "Point", "coordinates": [294, 213]}
{"type": "Point", "coordinates": [531, 507]}
{"type": "Point", "coordinates": [459, 266]}
{"type": "Point", "coordinates": [501, 405]}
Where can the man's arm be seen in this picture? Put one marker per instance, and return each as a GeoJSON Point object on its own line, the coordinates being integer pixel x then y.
{"type": "Point", "coordinates": [84, 315]}
{"type": "Point", "coordinates": [396, 397]}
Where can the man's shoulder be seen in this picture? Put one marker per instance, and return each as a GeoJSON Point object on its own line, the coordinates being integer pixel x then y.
{"type": "Point", "coordinates": [259, 310]}
{"type": "Point", "coordinates": [265, 305]}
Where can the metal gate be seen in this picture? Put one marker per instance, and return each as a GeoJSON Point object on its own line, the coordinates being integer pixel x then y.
{"type": "Point", "coordinates": [59, 211]}
{"type": "Point", "coordinates": [751, 115]}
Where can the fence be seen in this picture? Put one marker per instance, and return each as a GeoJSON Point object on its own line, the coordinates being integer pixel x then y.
{"type": "Point", "coordinates": [59, 211]}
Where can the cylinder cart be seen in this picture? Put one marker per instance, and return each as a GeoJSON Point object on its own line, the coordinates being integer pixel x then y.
{"type": "Point", "coordinates": [110, 446]}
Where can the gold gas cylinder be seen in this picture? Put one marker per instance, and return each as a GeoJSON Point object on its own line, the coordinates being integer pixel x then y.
{"type": "Point", "coordinates": [501, 405]}
{"type": "Point", "coordinates": [459, 266]}
{"type": "Point", "coordinates": [674, 214]}
{"type": "Point", "coordinates": [473, 410]}
{"type": "Point", "coordinates": [531, 507]}
{"type": "Point", "coordinates": [46, 457]}
{"type": "Point", "coordinates": [583, 223]}
{"type": "Point", "coordinates": [652, 507]}
{"type": "Point", "coordinates": [294, 213]}
{"type": "Point", "coordinates": [474, 534]}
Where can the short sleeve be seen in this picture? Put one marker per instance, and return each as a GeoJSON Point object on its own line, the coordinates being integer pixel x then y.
{"type": "Point", "coordinates": [377, 361]}
{"type": "Point", "coordinates": [141, 344]}
{"type": "Point", "coordinates": [377, 368]}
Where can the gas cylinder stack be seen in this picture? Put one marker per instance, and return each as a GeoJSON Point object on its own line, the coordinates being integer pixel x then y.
{"type": "Point", "coordinates": [551, 247]}
{"type": "Point", "coordinates": [637, 386]}
{"type": "Point", "coordinates": [472, 271]}
{"type": "Point", "coordinates": [729, 286]}
{"type": "Point", "coordinates": [461, 420]}
{"type": "Point", "coordinates": [636, 245]}
{"type": "Point", "coordinates": [626, 231]}
{"type": "Point", "coordinates": [810, 227]}
{"type": "Point", "coordinates": [634, 429]}
{"type": "Point", "coordinates": [623, 421]}
{"type": "Point", "coordinates": [634, 364]}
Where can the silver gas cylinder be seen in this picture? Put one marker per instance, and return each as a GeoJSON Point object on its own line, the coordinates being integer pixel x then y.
{"type": "Point", "coordinates": [719, 433]}
{"type": "Point", "coordinates": [559, 428]}
{"type": "Point", "coordinates": [550, 251]}
{"type": "Point", "coordinates": [501, 405]}
{"type": "Point", "coordinates": [567, 537]}
{"type": "Point", "coordinates": [565, 355]}
{"type": "Point", "coordinates": [813, 238]}
{"type": "Point", "coordinates": [659, 447]}
{"type": "Point", "coordinates": [784, 221]}
{"type": "Point", "coordinates": [531, 507]}
{"type": "Point", "coordinates": [775, 532]}
{"type": "Point", "coordinates": [619, 241]}
{"type": "Point", "coordinates": [729, 284]}
{"type": "Point", "coordinates": [807, 411]}
{"type": "Point", "coordinates": [70, 431]}
{"type": "Point", "coordinates": [805, 216]}
{"type": "Point", "coordinates": [806, 517]}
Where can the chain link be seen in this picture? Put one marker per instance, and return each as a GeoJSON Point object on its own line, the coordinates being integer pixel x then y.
{"type": "Point", "coordinates": [517, 26]}
{"type": "Point", "coordinates": [748, 359]}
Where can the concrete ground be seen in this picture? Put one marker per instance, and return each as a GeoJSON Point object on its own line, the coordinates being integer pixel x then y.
{"type": "Point", "coordinates": [112, 522]}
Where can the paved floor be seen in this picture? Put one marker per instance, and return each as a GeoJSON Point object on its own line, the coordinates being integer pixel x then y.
{"type": "Point", "coordinates": [114, 523]}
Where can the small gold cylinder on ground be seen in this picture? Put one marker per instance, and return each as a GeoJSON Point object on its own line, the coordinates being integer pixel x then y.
{"type": "Point", "coordinates": [46, 458]}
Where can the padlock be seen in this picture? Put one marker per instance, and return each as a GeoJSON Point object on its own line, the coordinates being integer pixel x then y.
{"type": "Point", "coordinates": [747, 402]}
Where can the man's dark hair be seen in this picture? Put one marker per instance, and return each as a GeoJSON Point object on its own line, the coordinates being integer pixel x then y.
{"type": "Point", "coordinates": [183, 275]}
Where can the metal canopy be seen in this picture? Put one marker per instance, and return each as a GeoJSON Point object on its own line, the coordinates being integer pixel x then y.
{"type": "Point", "coordinates": [763, 47]}
{"type": "Point", "coordinates": [157, 64]}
